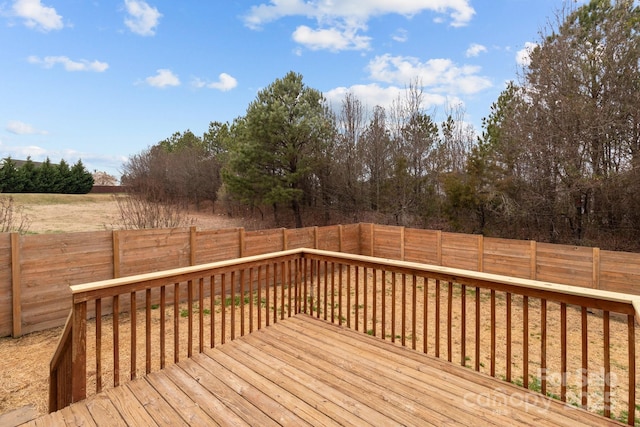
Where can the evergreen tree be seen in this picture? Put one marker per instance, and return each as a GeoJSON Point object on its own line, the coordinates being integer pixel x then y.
{"type": "Point", "coordinates": [277, 144]}
{"type": "Point", "coordinates": [10, 179]}
{"type": "Point", "coordinates": [80, 180]}
{"type": "Point", "coordinates": [29, 173]}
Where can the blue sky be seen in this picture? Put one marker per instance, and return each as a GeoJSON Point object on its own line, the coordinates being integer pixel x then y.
{"type": "Point", "coordinates": [103, 80]}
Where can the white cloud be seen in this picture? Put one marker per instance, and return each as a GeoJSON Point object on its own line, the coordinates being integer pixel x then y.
{"type": "Point", "coordinates": [374, 94]}
{"type": "Point", "coordinates": [475, 49]}
{"type": "Point", "coordinates": [20, 128]}
{"type": "Point", "coordinates": [142, 19]}
{"type": "Point", "coordinates": [163, 78]}
{"type": "Point", "coordinates": [440, 75]}
{"type": "Point", "coordinates": [68, 64]}
{"type": "Point", "coordinates": [225, 83]}
{"type": "Point", "coordinates": [340, 23]}
{"type": "Point", "coordinates": [460, 11]}
{"type": "Point", "coordinates": [401, 35]}
{"type": "Point", "coordinates": [332, 39]}
{"type": "Point", "coordinates": [523, 56]}
{"type": "Point", "coordinates": [37, 15]}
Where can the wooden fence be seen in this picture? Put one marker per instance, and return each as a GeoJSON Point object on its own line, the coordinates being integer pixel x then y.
{"type": "Point", "coordinates": [37, 270]}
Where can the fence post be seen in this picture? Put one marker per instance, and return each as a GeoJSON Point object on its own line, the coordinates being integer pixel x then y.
{"type": "Point", "coordinates": [241, 241]}
{"type": "Point", "coordinates": [16, 286]}
{"type": "Point", "coordinates": [315, 237]}
{"type": "Point", "coordinates": [115, 234]}
{"type": "Point", "coordinates": [402, 243]}
{"type": "Point", "coordinates": [439, 246]}
{"type": "Point", "coordinates": [596, 269]}
{"type": "Point", "coordinates": [480, 252]}
{"type": "Point", "coordinates": [533, 268]}
{"type": "Point", "coordinates": [373, 240]}
{"type": "Point", "coordinates": [340, 238]}
{"type": "Point", "coordinates": [285, 242]}
{"type": "Point", "coordinates": [193, 245]}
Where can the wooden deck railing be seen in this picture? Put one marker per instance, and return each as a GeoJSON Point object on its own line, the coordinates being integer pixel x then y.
{"type": "Point", "coordinates": [577, 345]}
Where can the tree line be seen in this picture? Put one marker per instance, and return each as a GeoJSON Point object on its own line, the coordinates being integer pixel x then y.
{"type": "Point", "coordinates": [557, 158]}
{"type": "Point", "coordinates": [45, 177]}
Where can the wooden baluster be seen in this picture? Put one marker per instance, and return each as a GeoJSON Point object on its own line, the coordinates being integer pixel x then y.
{"type": "Point", "coordinates": [201, 316]}
{"type": "Point", "coordinates": [348, 295]}
{"type": "Point", "coordinates": [585, 359]}
{"type": "Point", "coordinates": [326, 294]}
{"type": "Point", "coordinates": [374, 291]}
{"type": "Point", "coordinates": [223, 305]}
{"type": "Point", "coordinates": [365, 285]}
{"type": "Point", "coordinates": [393, 306]}
{"type": "Point", "coordinates": [333, 292]}
{"type": "Point", "coordinates": [266, 293]}
{"type": "Point", "coordinates": [98, 345]}
{"type": "Point", "coordinates": [232, 305]}
{"type": "Point", "coordinates": [340, 292]}
{"type": "Point", "coordinates": [147, 331]}
{"type": "Point", "coordinates": [134, 344]}
{"type": "Point", "coordinates": [357, 302]}
{"type": "Point", "coordinates": [289, 283]}
{"type": "Point", "coordinates": [450, 321]}
{"type": "Point", "coordinates": [283, 284]}
{"type": "Point", "coordinates": [437, 322]}
{"type": "Point", "coordinates": [383, 296]}
{"type": "Point", "coordinates": [116, 340]}
{"type": "Point", "coordinates": [414, 312]}
{"type": "Point", "coordinates": [306, 278]}
{"type": "Point", "coordinates": [631, 409]}
{"type": "Point", "coordinates": [212, 309]}
{"type": "Point", "coordinates": [163, 335]}
{"type": "Point", "coordinates": [275, 292]}
{"type": "Point", "coordinates": [176, 322]}
{"type": "Point", "coordinates": [403, 321]}
{"type": "Point", "coordinates": [525, 341]}
{"type": "Point", "coordinates": [251, 296]}
{"type": "Point", "coordinates": [563, 351]}
{"type": "Point", "coordinates": [463, 325]}
{"type": "Point", "coordinates": [509, 338]}
{"type": "Point", "coordinates": [607, 364]}
{"type": "Point", "coordinates": [477, 355]}
{"type": "Point", "coordinates": [242, 295]}
{"type": "Point", "coordinates": [190, 318]}
{"type": "Point", "coordinates": [318, 266]}
{"type": "Point", "coordinates": [259, 297]}
{"type": "Point", "coordinates": [493, 333]}
{"type": "Point", "coordinates": [425, 315]}
{"type": "Point", "coordinates": [543, 345]}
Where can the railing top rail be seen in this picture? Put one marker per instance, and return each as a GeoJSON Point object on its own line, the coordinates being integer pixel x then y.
{"type": "Point", "coordinates": [469, 276]}
{"type": "Point", "coordinates": [108, 287]}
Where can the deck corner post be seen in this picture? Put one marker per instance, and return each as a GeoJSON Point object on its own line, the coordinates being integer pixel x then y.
{"type": "Point", "coordinates": [79, 352]}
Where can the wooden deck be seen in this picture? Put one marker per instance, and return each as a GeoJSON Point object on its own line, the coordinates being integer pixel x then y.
{"type": "Point", "coordinates": [304, 371]}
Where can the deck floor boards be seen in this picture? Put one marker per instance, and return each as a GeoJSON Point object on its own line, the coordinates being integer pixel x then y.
{"type": "Point", "coordinates": [305, 371]}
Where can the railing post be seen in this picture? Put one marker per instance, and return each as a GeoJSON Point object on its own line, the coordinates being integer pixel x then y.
{"type": "Point", "coordinates": [79, 352]}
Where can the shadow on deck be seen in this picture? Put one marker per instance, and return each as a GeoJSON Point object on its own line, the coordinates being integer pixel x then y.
{"type": "Point", "coordinates": [306, 371]}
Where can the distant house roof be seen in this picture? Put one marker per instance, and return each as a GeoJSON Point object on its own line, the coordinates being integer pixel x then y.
{"type": "Point", "coordinates": [20, 163]}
